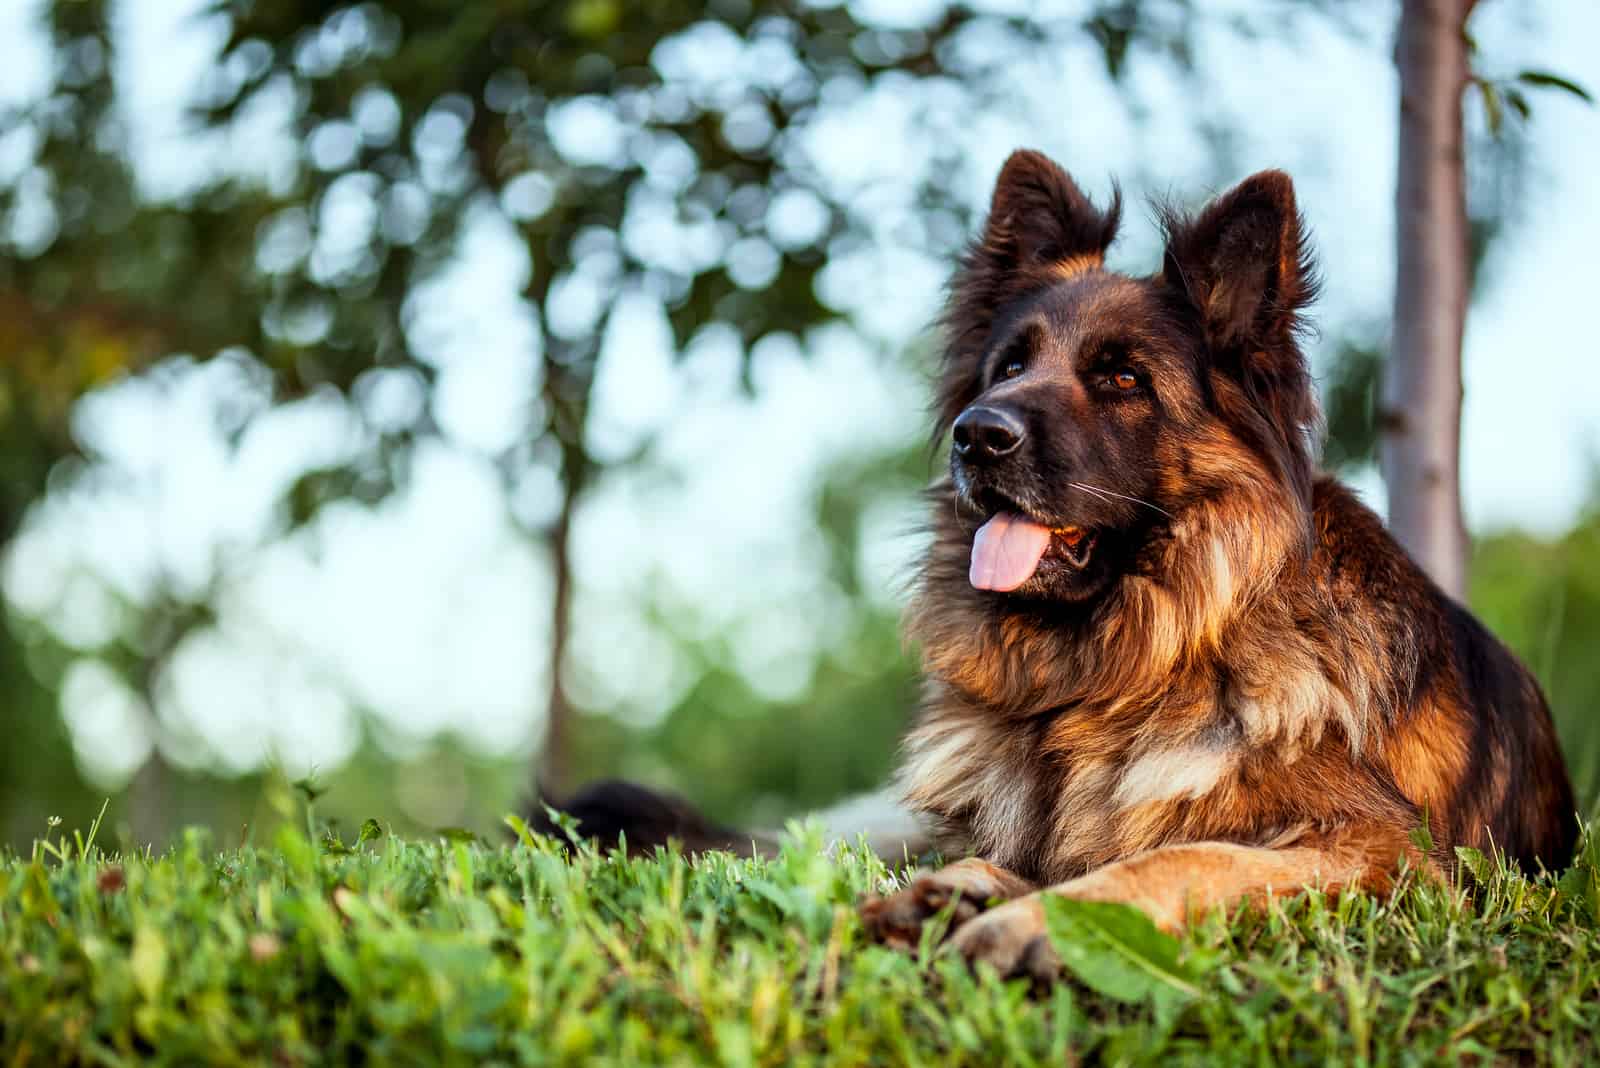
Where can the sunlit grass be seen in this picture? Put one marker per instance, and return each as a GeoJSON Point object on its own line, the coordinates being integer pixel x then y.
{"type": "Point", "coordinates": [316, 950]}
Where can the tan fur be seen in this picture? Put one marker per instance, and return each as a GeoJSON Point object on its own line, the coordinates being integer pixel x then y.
{"type": "Point", "coordinates": [1425, 753]}
{"type": "Point", "coordinates": [1076, 265]}
{"type": "Point", "coordinates": [1173, 885]}
{"type": "Point", "coordinates": [1170, 773]}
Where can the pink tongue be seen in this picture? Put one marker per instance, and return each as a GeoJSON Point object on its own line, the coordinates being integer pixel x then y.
{"type": "Point", "coordinates": [1006, 551]}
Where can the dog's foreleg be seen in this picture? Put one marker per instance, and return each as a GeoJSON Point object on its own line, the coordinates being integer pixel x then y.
{"type": "Point", "coordinates": [1174, 883]}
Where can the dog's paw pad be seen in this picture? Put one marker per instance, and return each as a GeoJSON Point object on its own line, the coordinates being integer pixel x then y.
{"type": "Point", "coordinates": [898, 919]}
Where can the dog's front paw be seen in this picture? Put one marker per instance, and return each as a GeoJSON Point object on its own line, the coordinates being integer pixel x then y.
{"type": "Point", "coordinates": [1012, 940]}
{"type": "Point", "coordinates": [898, 919]}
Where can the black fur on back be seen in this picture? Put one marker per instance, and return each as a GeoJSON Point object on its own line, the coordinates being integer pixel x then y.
{"type": "Point", "coordinates": [610, 811]}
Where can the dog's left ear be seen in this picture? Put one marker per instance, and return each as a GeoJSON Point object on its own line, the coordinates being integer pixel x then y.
{"type": "Point", "coordinates": [1244, 264]}
{"type": "Point", "coordinates": [1244, 267]}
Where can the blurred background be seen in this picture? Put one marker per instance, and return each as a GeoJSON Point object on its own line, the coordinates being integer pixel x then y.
{"type": "Point", "coordinates": [416, 395]}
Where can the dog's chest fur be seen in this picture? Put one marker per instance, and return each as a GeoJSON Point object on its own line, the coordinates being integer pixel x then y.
{"type": "Point", "coordinates": [981, 784]}
{"type": "Point", "coordinates": [993, 789]}
{"type": "Point", "coordinates": [1059, 794]}
{"type": "Point", "coordinates": [1166, 716]}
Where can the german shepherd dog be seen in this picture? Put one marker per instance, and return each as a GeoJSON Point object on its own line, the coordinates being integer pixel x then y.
{"type": "Point", "coordinates": [1167, 663]}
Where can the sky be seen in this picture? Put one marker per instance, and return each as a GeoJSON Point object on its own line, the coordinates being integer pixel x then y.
{"type": "Point", "coordinates": [427, 612]}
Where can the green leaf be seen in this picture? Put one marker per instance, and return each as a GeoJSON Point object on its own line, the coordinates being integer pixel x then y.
{"type": "Point", "coordinates": [592, 20]}
{"type": "Point", "coordinates": [148, 961]}
{"type": "Point", "coordinates": [371, 831]}
{"type": "Point", "coordinates": [1581, 889]}
{"type": "Point", "coordinates": [1519, 103]}
{"type": "Point", "coordinates": [333, 846]}
{"type": "Point", "coordinates": [1543, 79]}
{"type": "Point", "coordinates": [567, 825]}
{"type": "Point", "coordinates": [520, 828]}
{"type": "Point", "coordinates": [456, 834]}
{"type": "Point", "coordinates": [1492, 110]}
{"type": "Point", "coordinates": [1118, 951]}
{"type": "Point", "coordinates": [1422, 836]}
{"type": "Point", "coordinates": [1580, 884]}
{"type": "Point", "coordinates": [295, 848]}
{"type": "Point", "coordinates": [1475, 862]}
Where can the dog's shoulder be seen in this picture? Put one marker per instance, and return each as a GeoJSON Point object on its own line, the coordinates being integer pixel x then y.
{"type": "Point", "coordinates": [1354, 553]}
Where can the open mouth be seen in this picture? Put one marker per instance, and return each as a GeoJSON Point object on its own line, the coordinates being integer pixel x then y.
{"type": "Point", "coordinates": [1072, 544]}
{"type": "Point", "coordinates": [1010, 548]}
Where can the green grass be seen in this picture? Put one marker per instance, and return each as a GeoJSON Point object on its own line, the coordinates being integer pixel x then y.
{"type": "Point", "coordinates": [401, 952]}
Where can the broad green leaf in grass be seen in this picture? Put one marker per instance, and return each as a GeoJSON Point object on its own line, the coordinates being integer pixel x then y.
{"type": "Point", "coordinates": [294, 848]}
{"type": "Point", "coordinates": [1118, 951]}
{"type": "Point", "coordinates": [1474, 861]}
{"type": "Point", "coordinates": [148, 962]}
{"type": "Point", "coordinates": [1580, 884]}
{"type": "Point", "coordinates": [371, 831]}
{"type": "Point", "coordinates": [520, 828]}
{"type": "Point", "coordinates": [1422, 834]}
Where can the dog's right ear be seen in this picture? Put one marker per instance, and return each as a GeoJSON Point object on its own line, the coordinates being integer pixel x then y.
{"type": "Point", "coordinates": [1041, 226]}
{"type": "Point", "coordinates": [1040, 219]}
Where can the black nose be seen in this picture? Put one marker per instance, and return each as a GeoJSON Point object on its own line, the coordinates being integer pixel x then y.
{"type": "Point", "coordinates": [984, 433]}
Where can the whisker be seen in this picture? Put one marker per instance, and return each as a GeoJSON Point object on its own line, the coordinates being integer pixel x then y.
{"type": "Point", "coordinates": [1091, 489]}
{"type": "Point", "coordinates": [1104, 492]}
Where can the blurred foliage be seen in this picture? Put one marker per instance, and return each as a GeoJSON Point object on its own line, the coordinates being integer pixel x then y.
{"type": "Point", "coordinates": [747, 757]}
{"type": "Point", "coordinates": [1543, 598]}
{"type": "Point", "coordinates": [1350, 405]}
{"type": "Point", "coordinates": [402, 122]}
{"type": "Point", "coordinates": [1497, 187]}
{"type": "Point", "coordinates": [469, 99]}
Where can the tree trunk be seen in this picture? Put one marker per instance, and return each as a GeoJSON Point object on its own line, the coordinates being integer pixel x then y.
{"type": "Point", "coordinates": [567, 383]}
{"type": "Point", "coordinates": [554, 771]}
{"type": "Point", "coordinates": [1420, 421]}
{"type": "Point", "coordinates": [149, 800]}
{"type": "Point", "coordinates": [150, 793]}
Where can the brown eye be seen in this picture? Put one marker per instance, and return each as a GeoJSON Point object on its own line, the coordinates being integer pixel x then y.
{"type": "Point", "coordinates": [1124, 379]}
{"type": "Point", "coordinates": [1013, 368]}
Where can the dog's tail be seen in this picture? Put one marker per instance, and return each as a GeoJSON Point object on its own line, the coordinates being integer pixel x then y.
{"type": "Point", "coordinates": [614, 811]}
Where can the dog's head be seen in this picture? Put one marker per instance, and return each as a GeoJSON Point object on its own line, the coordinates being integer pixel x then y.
{"type": "Point", "coordinates": [1090, 410]}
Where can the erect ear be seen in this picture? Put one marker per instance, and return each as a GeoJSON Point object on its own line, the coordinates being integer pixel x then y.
{"type": "Point", "coordinates": [1040, 228]}
{"type": "Point", "coordinates": [1039, 218]}
{"type": "Point", "coordinates": [1244, 264]}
